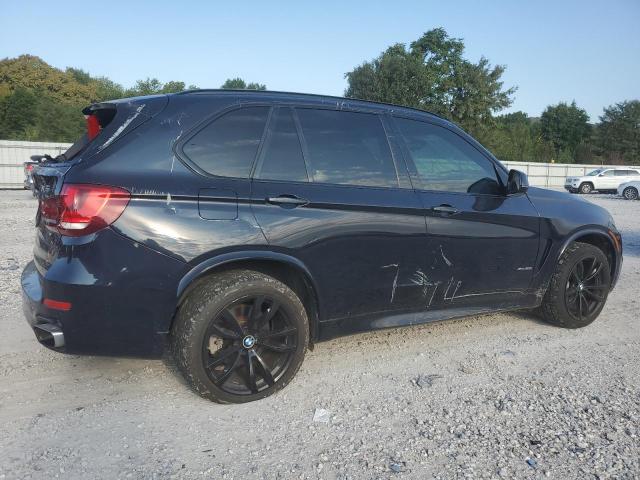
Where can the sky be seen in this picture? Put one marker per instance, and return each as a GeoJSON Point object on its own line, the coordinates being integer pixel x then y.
{"type": "Point", "coordinates": [587, 51]}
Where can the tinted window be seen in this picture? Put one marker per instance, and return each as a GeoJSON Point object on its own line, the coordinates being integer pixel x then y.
{"type": "Point", "coordinates": [228, 146]}
{"type": "Point", "coordinates": [445, 161]}
{"type": "Point", "coordinates": [347, 148]}
{"type": "Point", "coordinates": [282, 155]}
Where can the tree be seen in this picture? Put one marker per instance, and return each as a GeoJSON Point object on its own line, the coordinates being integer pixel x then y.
{"type": "Point", "coordinates": [173, 87]}
{"type": "Point", "coordinates": [565, 127]}
{"type": "Point", "coordinates": [107, 89]}
{"type": "Point", "coordinates": [239, 84]}
{"type": "Point", "coordinates": [618, 134]}
{"type": "Point", "coordinates": [433, 75]}
{"type": "Point", "coordinates": [17, 113]}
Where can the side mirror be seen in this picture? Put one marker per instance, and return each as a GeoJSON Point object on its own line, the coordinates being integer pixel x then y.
{"type": "Point", "coordinates": [517, 182]}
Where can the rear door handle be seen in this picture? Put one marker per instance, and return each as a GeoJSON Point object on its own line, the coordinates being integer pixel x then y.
{"type": "Point", "coordinates": [287, 201]}
{"type": "Point", "coordinates": [446, 209]}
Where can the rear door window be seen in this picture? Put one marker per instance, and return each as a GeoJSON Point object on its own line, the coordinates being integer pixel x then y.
{"type": "Point", "coordinates": [445, 161]}
{"type": "Point", "coordinates": [281, 157]}
{"type": "Point", "coordinates": [227, 147]}
{"type": "Point", "coordinates": [347, 148]}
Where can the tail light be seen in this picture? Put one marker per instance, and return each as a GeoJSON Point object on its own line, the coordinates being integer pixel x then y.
{"type": "Point", "coordinates": [81, 209]}
{"type": "Point", "coordinates": [29, 167]}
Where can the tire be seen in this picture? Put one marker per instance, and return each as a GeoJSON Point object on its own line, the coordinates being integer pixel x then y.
{"type": "Point", "coordinates": [586, 188]}
{"type": "Point", "coordinates": [229, 322]}
{"type": "Point", "coordinates": [578, 262]}
{"type": "Point", "coordinates": [630, 193]}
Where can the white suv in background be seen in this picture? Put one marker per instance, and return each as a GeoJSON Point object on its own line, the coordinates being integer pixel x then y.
{"type": "Point", "coordinates": [602, 180]}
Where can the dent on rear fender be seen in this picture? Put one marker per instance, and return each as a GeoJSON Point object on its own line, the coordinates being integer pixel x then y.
{"type": "Point", "coordinates": [175, 227]}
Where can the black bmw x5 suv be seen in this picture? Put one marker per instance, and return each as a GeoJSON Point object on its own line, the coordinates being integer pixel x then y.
{"type": "Point", "coordinates": [240, 227]}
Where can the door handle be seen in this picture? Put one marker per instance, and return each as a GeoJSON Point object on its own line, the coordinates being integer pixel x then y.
{"type": "Point", "coordinates": [287, 201]}
{"type": "Point", "coordinates": [446, 209]}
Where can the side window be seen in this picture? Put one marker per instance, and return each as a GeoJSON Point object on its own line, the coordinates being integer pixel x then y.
{"type": "Point", "coordinates": [608, 173]}
{"type": "Point", "coordinates": [445, 161]}
{"type": "Point", "coordinates": [347, 148]}
{"type": "Point", "coordinates": [282, 154]}
{"type": "Point", "coordinates": [228, 146]}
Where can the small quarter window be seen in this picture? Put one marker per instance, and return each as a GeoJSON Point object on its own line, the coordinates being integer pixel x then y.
{"type": "Point", "coordinates": [228, 146]}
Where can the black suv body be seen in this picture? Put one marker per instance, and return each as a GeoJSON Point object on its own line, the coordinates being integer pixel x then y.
{"type": "Point", "coordinates": [192, 215]}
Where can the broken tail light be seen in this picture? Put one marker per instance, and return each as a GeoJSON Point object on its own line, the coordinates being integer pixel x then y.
{"type": "Point", "coordinates": [81, 209]}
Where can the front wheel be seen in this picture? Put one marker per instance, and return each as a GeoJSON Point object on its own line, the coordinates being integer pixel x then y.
{"type": "Point", "coordinates": [579, 287]}
{"type": "Point", "coordinates": [240, 336]}
{"type": "Point", "coordinates": [586, 188]}
{"type": "Point", "coordinates": [630, 193]}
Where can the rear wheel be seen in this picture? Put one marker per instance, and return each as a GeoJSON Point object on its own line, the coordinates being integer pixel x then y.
{"type": "Point", "coordinates": [579, 287]}
{"type": "Point", "coordinates": [240, 336]}
{"type": "Point", "coordinates": [586, 188]}
{"type": "Point", "coordinates": [630, 193]}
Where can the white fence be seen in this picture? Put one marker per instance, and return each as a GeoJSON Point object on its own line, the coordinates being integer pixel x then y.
{"type": "Point", "coordinates": [14, 153]}
{"type": "Point", "coordinates": [553, 174]}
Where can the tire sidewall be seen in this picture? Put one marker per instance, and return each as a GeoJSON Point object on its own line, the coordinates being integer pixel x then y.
{"type": "Point", "coordinates": [211, 302]}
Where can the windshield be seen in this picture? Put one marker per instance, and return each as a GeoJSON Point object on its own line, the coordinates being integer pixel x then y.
{"type": "Point", "coordinates": [594, 173]}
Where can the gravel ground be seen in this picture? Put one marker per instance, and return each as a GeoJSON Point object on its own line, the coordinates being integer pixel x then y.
{"type": "Point", "coordinates": [485, 397]}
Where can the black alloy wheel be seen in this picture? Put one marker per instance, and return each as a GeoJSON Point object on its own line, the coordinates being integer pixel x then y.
{"type": "Point", "coordinates": [249, 345]}
{"type": "Point", "coordinates": [585, 291]}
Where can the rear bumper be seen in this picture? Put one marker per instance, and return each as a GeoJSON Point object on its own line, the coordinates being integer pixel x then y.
{"type": "Point", "coordinates": [121, 298]}
{"type": "Point", "coordinates": [48, 330]}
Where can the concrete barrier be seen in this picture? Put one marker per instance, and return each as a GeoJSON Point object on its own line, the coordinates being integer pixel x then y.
{"type": "Point", "coordinates": [13, 153]}
{"type": "Point", "coordinates": [553, 174]}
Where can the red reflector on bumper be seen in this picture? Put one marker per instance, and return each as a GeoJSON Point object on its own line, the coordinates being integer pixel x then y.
{"type": "Point", "coordinates": [57, 305]}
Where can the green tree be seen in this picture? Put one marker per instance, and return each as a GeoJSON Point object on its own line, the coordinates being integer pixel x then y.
{"type": "Point", "coordinates": [239, 84]}
{"type": "Point", "coordinates": [433, 75]}
{"type": "Point", "coordinates": [565, 127]}
{"type": "Point", "coordinates": [173, 87]}
{"type": "Point", "coordinates": [618, 134]}
{"type": "Point", "coordinates": [107, 89]}
{"type": "Point", "coordinates": [17, 112]}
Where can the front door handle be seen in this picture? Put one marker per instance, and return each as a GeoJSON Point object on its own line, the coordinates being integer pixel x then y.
{"type": "Point", "coordinates": [287, 201]}
{"type": "Point", "coordinates": [446, 209]}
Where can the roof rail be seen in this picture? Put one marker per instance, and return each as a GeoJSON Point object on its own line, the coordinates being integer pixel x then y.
{"type": "Point", "coordinates": [316, 95]}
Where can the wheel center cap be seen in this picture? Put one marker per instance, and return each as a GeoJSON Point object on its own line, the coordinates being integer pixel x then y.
{"type": "Point", "coordinates": [249, 341]}
{"type": "Point", "coordinates": [580, 286]}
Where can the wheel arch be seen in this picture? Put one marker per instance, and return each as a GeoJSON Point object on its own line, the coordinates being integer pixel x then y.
{"type": "Point", "coordinates": [604, 240]}
{"type": "Point", "coordinates": [288, 269]}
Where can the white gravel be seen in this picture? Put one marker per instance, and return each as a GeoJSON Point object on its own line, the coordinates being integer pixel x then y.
{"type": "Point", "coordinates": [500, 395]}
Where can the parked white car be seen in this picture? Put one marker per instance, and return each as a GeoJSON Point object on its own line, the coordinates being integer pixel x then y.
{"type": "Point", "coordinates": [602, 180]}
{"type": "Point", "coordinates": [630, 190]}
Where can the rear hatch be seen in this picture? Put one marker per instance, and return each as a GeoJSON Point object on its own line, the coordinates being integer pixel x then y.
{"type": "Point", "coordinates": [62, 209]}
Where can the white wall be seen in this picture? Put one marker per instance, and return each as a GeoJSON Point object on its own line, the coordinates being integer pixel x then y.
{"type": "Point", "coordinates": [14, 153]}
{"type": "Point", "coordinates": [553, 174]}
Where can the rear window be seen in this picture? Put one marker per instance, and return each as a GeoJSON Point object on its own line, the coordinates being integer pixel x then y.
{"type": "Point", "coordinates": [347, 148]}
{"type": "Point", "coordinates": [227, 147]}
